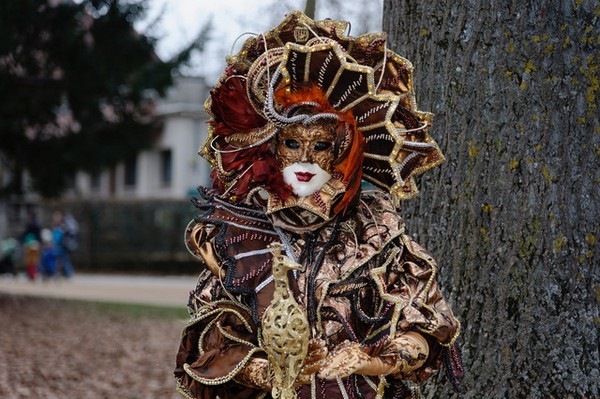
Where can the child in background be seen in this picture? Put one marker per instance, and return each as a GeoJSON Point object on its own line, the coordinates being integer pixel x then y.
{"type": "Point", "coordinates": [31, 254]}
{"type": "Point", "coordinates": [31, 244]}
{"type": "Point", "coordinates": [48, 258]}
{"type": "Point", "coordinates": [62, 245]}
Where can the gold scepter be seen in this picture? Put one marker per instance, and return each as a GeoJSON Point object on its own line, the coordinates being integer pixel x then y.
{"type": "Point", "coordinates": [285, 329]}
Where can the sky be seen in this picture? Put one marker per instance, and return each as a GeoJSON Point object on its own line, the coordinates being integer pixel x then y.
{"type": "Point", "coordinates": [181, 20]}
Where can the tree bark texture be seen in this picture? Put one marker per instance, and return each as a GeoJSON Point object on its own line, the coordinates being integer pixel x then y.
{"type": "Point", "coordinates": [513, 215]}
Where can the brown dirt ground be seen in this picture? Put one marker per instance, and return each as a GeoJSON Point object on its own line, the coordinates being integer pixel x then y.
{"type": "Point", "coordinates": [64, 349]}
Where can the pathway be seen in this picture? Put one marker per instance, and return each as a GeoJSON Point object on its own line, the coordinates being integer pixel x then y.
{"type": "Point", "coordinates": [151, 290]}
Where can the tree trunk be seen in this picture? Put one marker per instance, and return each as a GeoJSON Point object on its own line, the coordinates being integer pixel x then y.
{"type": "Point", "coordinates": [309, 9]}
{"type": "Point", "coordinates": [512, 216]}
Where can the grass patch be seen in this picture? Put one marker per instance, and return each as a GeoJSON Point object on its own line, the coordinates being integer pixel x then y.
{"type": "Point", "coordinates": [136, 311]}
{"type": "Point", "coordinates": [105, 309]}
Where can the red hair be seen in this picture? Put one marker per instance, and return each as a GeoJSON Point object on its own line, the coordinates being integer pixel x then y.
{"type": "Point", "coordinates": [253, 166]}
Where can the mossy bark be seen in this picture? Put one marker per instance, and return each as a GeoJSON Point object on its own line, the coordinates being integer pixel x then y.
{"type": "Point", "coordinates": [513, 215]}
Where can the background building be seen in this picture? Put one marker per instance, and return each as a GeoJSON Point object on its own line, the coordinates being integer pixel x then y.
{"type": "Point", "coordinates": [171, 169]}
{"type": "Point", "coordinates": [132, 216]}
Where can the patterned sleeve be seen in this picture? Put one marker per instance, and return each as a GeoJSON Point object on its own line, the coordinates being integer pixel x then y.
{"type": "Point", "coordinates": [408, 280]}
{"type": "Point", "coordinates": [220, 336]}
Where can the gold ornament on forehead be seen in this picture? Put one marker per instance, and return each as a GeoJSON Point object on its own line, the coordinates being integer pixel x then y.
{"type": "Point", "coordinates": [301, 34]}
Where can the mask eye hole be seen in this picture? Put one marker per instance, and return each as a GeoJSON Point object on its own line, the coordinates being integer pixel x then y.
{"type": "Point", "coordinates": [291, 144]}
{"type": "Point", "coordinates": [322, 145]}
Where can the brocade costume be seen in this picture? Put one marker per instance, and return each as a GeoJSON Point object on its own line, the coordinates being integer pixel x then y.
{"type": "Point", "coordinates": [321, 295]}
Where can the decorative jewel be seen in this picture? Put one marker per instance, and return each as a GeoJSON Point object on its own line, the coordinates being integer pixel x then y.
{"type": "Point", "coordinates": [301, 34]}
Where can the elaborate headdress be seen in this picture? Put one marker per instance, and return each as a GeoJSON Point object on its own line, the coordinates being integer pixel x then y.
{"type": "Point", "coordinates": [312, 65]}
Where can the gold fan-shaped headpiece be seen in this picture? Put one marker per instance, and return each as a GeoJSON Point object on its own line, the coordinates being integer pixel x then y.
{"type": "Point", "coordinates": [356, 75]}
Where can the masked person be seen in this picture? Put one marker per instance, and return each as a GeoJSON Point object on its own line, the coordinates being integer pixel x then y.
{"type": "Point", "coordinates": [311, 286]}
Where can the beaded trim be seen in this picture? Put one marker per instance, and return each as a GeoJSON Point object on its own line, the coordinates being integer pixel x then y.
{"type": "Point", "coordinates": [244, 237]}
{"type": "Point", "coordinates": [226, 378]}
{"type": "Point", "coordinates": [315, 118]}
{"type": "Point", "coordinates": [288, 246]}
{"type": "Point", "coordinates": [370, 382]}
{"type": "Point", "coordinates": [245, 217]}
{"type": "Point", "coordinates": [366, 259]}
{"type": "Point", "coordinates": [381, 329]}
{"type": "Point", "coordinates": [204, 332]}
{"type": "Point", "coordinates": [253, 273]}
{"type": "Point", "coordinates": [182, 390]}
{"type": "Point", "coordinates": [428, 260]}
{"type": "Point", "coordinates": [252, 253]}
{"type": "Point", "coordinates": [263, 284]}
{"type": "Point", "coordinates": [332, 188]}
{"type": "Point", "coordinates": [230, 205]}
{"type": "Point", "coordinates": [381, 387]}
{"type": "Point", "coordinates": [204, 312]}
{"type": "Point", "coordinates": [243, 227]}
{"type": "Point", "coordinates": [342, 388]}
{"type": "Point", "coordinates": [454, 337]}
{"type": "Point", "coordinates": [234, 338]}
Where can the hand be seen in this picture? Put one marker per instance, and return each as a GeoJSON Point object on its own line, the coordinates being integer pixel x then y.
{"type": "Point", "coordinates": [317, 352]}
{"type": "Point", "coordinates": [347, 359]}
{"type": "Point", "coordinates": [408, 350]}
{"type": "Point", "coordinates": [402, 356]}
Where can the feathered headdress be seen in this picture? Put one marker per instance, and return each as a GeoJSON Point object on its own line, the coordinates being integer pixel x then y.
{"type": "Point", "coordinates": [312, 65]}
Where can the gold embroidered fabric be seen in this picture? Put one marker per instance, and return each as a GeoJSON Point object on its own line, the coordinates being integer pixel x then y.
{"type": "Point", "coordinates": [312, 288]}
{"type": "Point", "coordinates": [319, 204]}
{"type": "Point", "coordinates": [375, 292]}
{"type": "Point", "coordinates": [255, 374]}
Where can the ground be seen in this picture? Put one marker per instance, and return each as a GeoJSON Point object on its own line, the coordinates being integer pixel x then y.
{"type": "Point", "coordinates": [52, 348]}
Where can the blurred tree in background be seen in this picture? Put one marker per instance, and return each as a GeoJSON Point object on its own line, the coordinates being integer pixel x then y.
{"type": "Point", "coordinates": [79, 86]}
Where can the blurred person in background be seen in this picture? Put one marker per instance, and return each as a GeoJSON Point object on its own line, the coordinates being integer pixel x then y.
{"type": "Point", "coordinates": [31, 241]}
{"type": "Point", "coordinates": [8, 252]}
{"type": "Point", "coordinates": [64, 233]}
{"type": "Point", "coordinates": [48, 258]}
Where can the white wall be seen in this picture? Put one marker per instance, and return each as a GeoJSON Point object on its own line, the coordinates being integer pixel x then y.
{"type": "Point", "coordinates": [184, 130]}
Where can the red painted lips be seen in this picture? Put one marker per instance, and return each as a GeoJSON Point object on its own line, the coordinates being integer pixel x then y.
{"type": "Point", "coordinates": [304, 176]}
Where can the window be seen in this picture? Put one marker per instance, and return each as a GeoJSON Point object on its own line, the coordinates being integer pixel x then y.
{"type": "Point", "coordinates": [112, 181]}
{"type": "Point", "coordinates": [166, 167]}
{"type": "Point", "coordinates": [130, 171]}
{"type": "Point", "coordinates": [95, 180]}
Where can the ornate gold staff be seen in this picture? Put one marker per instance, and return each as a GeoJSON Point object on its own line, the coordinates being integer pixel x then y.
{"type": "Point", "coordinates": [285, 329]}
